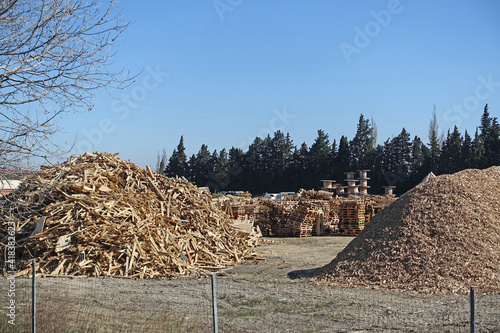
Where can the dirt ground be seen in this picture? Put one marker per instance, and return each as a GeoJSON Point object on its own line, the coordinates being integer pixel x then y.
{"type": "Point", "coordinates": [265, 296]}
{"type": "Point", "coordinates": [291, 257]}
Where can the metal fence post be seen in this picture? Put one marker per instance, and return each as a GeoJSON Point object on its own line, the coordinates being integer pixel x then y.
{"type": "Point", "coordinates": [214, 304]}
{"type": "Point", "coordinates": [33, 298]}
{"type": "Point", "coordinates": [472, 310]}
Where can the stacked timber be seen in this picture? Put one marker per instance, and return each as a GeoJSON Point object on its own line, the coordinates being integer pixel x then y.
{"type": "Point", "coordinates": [274, 216]}
{"type": "Point", "coordinates": [97, 215]}
{"type": "Point", "coordinates": [352, 216]}
{"type": "Point", "coordinates": [302, 220]}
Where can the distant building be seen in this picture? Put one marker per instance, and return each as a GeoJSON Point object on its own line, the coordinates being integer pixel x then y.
{"type": "Point", "coordinates": [11, 179]}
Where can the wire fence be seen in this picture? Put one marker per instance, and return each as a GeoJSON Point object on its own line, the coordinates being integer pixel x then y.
{"type": "Point", "coordinates": [244, 304]}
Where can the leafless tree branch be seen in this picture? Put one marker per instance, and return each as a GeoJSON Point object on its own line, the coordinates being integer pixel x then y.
{"type": "Point", "coordinates": [54, 55]}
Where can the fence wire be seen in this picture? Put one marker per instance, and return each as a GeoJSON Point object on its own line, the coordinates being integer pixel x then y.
{"type": "Point", "coordinates": [245, 304]}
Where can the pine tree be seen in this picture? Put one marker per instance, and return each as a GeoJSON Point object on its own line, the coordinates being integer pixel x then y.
{"type": "Point", "coordinates": [281, 152]}
{"type": "Point", "coordinates": [191, 168]}
{"type": "Point", "coordinates": [490, 134]}
{"type": "Point", "coordinates": [396, 161]}
{"type": "Point", "coordinates": [417, 156]}
{"type": "Point", "coordinates": [451, 153]}
{"type": "Point", "coordinates": [343, 159]}
{"type": "Point", "coordinates": [221, 175]}
{"type": "Point", "coordinates": [299, 167]}
{"type": "Point", "coordinates": [467, 152]}
{"type": "Point", "coordinates": [478, 151]}
{"type": "Point", "coordinates": [177, 164]}
{"type": "Point", "coordinates": [361, 144]}
{"type": "Point", "coordinates": [235, 164]}
{"type": "Point", "coordinates": [333, 157]}
{"type": "Point", "coordinates": [319, 156]}
{"type": "Point", "coordinates": [494, 142]}
{"type": "Point", "coordinates": [255, 166]}
{"type": "Point", "coordinates": [485, 122]}
{"type": "Point", "coordinates": [202, 166]}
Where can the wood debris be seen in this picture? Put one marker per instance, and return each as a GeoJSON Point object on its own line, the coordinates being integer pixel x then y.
{"type": "Point", "coordinates": [442, 236]}
{"type": "Point", "coordinates": [97, 215]}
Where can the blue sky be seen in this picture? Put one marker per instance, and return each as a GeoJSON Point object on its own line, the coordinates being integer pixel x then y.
{"type": "Point", "coordinates": [223, 72]}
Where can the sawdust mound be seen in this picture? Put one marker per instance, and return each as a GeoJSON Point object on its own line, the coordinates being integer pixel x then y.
{"type": "Point", "coordinates": [103, 216]}
{"type": "Point", "coordinates": [443, 236]}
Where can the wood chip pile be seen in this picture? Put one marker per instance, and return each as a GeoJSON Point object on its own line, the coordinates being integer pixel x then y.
{"type": "Point", "coordinates": [97, 215]}
{"type": "Point", "coordinates": [442, 236]}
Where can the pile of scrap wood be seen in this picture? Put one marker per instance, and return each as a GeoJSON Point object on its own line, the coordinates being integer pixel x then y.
{"type": "Point", "coordinates": [97, 215]}
{"type": "Point", "coordinates": [441, 236]}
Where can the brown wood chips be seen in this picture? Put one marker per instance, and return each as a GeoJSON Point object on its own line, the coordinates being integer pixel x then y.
{"type": "Point", "coordinates": [443, 236]}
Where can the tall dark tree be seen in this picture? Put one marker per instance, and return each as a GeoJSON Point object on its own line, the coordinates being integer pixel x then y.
{"type": "Point", "coordinates": [177, 164]}
{"type": "Point", "coordinates": [281, 152]}
{"type": "Point", "coordinates": [333, 156]}
{"type": "Point", "coordinates": [299, 167]}
{"type": "Point", "coordinates": [478, 151]}
{"type": "Point", "coordinates": [490, 134]}
{"type": "Point", "coordinates": [255, 166]}
{"type": "Point", "coordinates": [467, 152]}
{"type": "Point", "coordinates": [418, 155]}
{"type": "Point", "coordinates": [221, 175]}
{"type": "Point", "coordinates": [485, 126]}
{"type": "Point", "coordinates": [342, 160]}
{"type": "Point", "coordinates": [202, 166]}
{"type": "Point", "coordinates": [361, 144]}
{"type": "Point", "coordinates": [451, 153]}
{"type": "Point", "coordinates": [397, 160]}
{"type": "Point", "coordinates": [235, 162]}
{"type": "Point", "coordinates": [319, 158]}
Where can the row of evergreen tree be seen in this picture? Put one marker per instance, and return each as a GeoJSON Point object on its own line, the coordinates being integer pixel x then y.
{"type": "Point", "coordinates": [276, 164]}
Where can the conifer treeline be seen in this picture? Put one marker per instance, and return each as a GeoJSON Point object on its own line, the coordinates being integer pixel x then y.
{"type": "Point", "coordinates": [276, 164]}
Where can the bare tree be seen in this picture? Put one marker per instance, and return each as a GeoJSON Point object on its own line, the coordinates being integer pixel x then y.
{"type": "Point", "coordinates": [435, 140]}
{"type": "Point", "coordinates": [54, 55]}
{"type": "Point", "coordinates": [161, 162]}
{"type": "Point", "coordinates": [373, 134]}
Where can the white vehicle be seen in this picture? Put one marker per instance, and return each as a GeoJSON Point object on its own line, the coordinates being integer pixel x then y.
{"type": "Point", "coordinates": [273, 196]}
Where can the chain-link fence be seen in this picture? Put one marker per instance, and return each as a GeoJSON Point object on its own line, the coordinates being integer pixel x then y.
{"type": "Point", "coordinates": [257, 304]}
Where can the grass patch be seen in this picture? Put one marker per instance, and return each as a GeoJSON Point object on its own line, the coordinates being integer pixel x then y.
{"type": "Point", "coordinates": [244, 313]}
{"type": "Point", "coordinates": [324, 305]}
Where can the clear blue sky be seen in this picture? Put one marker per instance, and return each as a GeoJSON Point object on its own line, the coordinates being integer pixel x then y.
{"type": "Point", "coordinates": [223, 72]}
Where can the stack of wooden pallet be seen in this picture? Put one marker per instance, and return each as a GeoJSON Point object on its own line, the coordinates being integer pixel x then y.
{"type": "Point", "coordinates": [97, 215]}
{"type": "Point", "coordinates": [274, 216]}
{"type": "Point", "coordinates": [332, 224]}
{"type": "Point", "coordinates": [352, 216]}
{"type": "Point", "coordinates": [302, 220]}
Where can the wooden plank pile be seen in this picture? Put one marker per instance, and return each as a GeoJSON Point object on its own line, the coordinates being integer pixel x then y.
{"type": "Point", "coordinates": [302, 219]}
{"type": "Point", "coordinates": [97, 215]}
{"type": "Point", "coordinates": [352, 216]}
{"type": "Point", "coordinates": [274, 216]}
